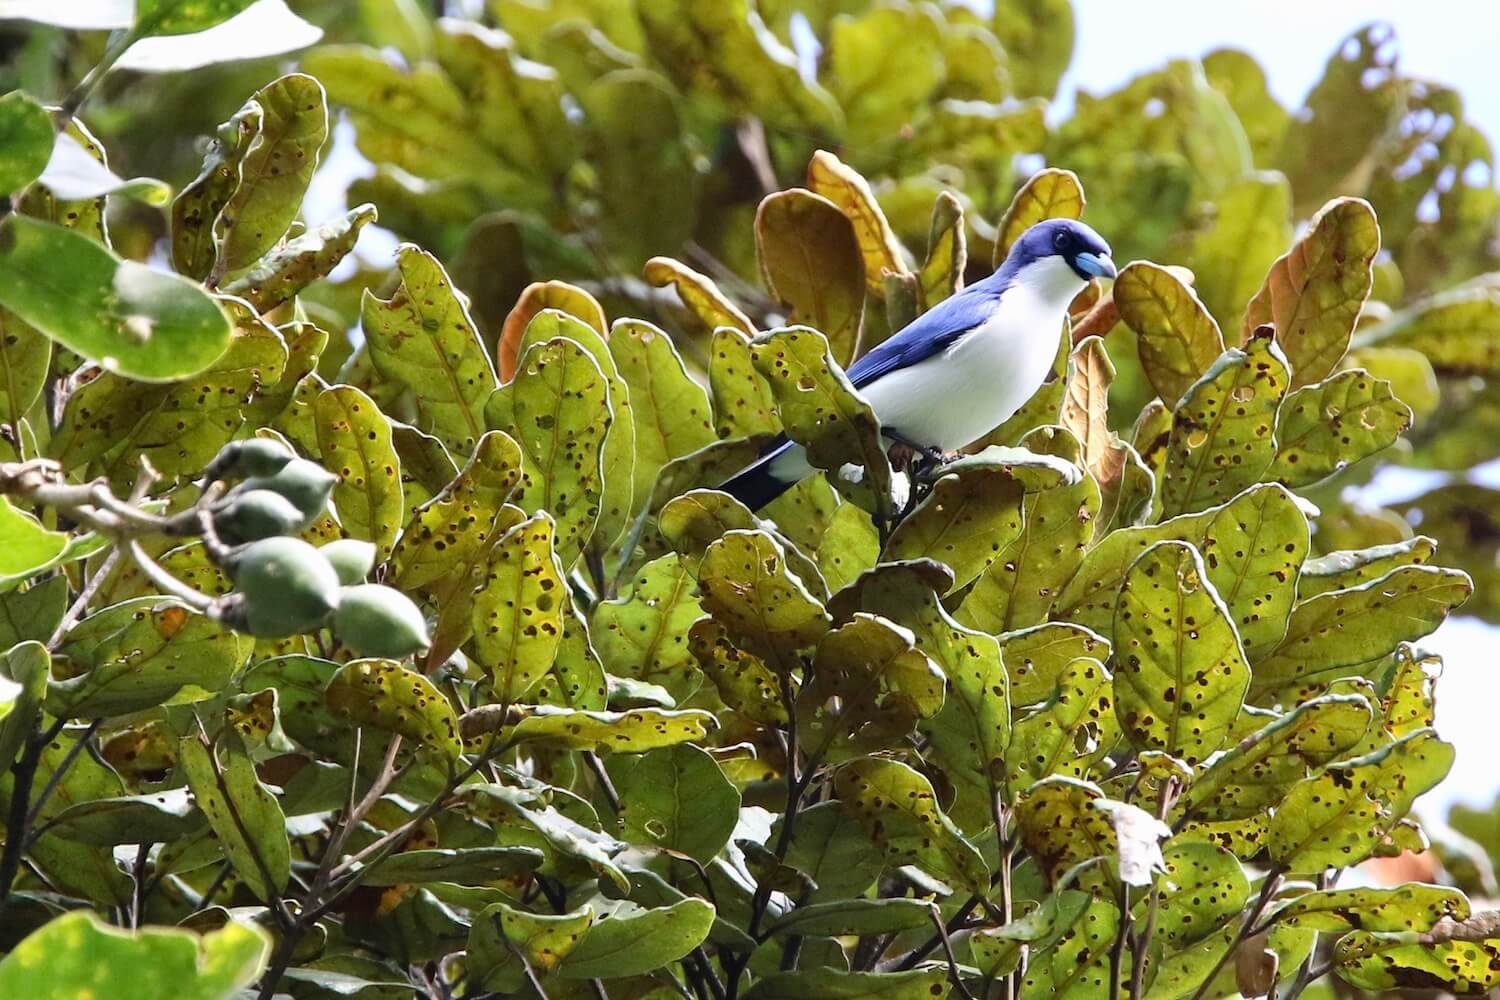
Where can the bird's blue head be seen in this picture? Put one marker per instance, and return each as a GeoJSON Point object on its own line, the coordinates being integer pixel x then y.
{"type": "Point", "coordinates": [1084, 250]}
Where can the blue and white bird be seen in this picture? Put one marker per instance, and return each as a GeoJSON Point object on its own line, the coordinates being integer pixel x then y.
{"type": "Point", "coordinates": [967, 365]}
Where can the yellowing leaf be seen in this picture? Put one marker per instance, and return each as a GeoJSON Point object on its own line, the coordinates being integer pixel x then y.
{"type": "Point", "coordinates": [1050, 193]}
{"type": "Point", "coordinates": [385, 695]}
{"type": "Point", "coordinates": [811, 260]}
{"type": "Point", "coordinates": [1177, 338]}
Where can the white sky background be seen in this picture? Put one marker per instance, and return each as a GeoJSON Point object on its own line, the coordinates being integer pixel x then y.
{"type": "Point", "coordinates": [1456, 42]}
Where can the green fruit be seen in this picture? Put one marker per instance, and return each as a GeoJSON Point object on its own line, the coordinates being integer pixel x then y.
{"type": "Point", "coordinates": [287, 586]}
{"type": "Point", "coordinates": [256, 514]}
{"type": "Point", "coordinates": [351, 559]}
{"type": "Point", "coordinates": [251, 457]}
{"type": "Point", "coordinates": [377, 621]}
{"type": "Point", "coordinates": [306, 484]}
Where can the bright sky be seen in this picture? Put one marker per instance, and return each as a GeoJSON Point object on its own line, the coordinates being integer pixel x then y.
{"type": "Point", "coordinates": [1450, 41]}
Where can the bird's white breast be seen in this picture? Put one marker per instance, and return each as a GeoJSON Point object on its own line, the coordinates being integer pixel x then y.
{"type": "Point", "coordinates": [981, 380]}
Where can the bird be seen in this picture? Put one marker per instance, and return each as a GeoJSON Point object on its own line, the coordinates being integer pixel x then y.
{"type": "Point", "coordinates": [964, 367]}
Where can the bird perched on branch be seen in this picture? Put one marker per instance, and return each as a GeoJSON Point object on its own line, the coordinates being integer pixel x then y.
{"type": "Point", "coordinates": [967, 365]}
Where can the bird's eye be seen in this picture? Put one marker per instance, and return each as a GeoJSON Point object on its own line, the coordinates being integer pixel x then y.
{"type": "Point", "coordinates": [1063, 241]}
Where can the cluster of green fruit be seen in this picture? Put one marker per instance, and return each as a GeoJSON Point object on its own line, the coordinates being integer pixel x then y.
{"type": "Point", "coordinates": [283, 585]}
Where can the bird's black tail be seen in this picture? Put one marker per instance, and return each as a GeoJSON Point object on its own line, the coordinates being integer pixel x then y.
{"type": "Point", "coordinates": [759, 484]}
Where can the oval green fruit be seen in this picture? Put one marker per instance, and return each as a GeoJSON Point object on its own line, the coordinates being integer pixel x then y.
{"type": "Point", "coordinates": [351, 558]}
{"type": "Point", "coordinates": [306, 484]}
{"type": "Point", "coordinates": [287, 586]}
{"type": "Point", "coordinates": [250, 457]}
{"type": "Point", "coordinates": [254, 515]}
{"type": "Point", "coordinates": [377, 621]}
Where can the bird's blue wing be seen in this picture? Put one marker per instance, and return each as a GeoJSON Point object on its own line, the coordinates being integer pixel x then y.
{"type": "Point", "coordinates": [931, 333]}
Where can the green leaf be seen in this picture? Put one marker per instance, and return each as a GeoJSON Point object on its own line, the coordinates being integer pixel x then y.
{"type": "Point", "coordinates": [109, 423]}
{"type": "Point", "coordinates": [743, 403]}
{"type": "Point", "coordinates": [453, 532]}
{"type": "Point", "coordinates": [158, 817]}
{"type": "Point", "coordinates": [830, 847]}
{"type": "Point", "coordinates": [1038, 37]}
{"type": "Point", "coordinates": [142, 653]}
{"type": "Point", "coordinates": [244, 815]}
{"type": "Point", "coordinates": [644, 635]}
{"type": "Point", "coordinates": [1050, 193]}
{"type": "Point", "coordinates": [501, 933]}
{"type": "Point", "coordinates": [1252, 223]}
{"type": "Point", "coordinates": [1027, 573]}
{"type": "Point", "coordinates": [253, 179]}
{"type": "Point", "coordinates": [969, 519]}
{"type": "Point", "coordinates": [672, 414]}
{"type": "Point", "coordinates": [1333, 633]}
{"type": "Point", "coordinates": [942, 273]}
{"type": "Point", "coordinates": [649, 176]}
{"type": "Point", "coordinates": [638, 943]}
{"type": "Point", "coordinates": [810, 260]}
{"type": "Point", "coordinates": [1338, 817]}
{"type": "Point", "coordinates": [355, 441]}
{"type": "Point", "coordinates": [1408, 907]}
{"type": "Point", "coordinates": [1253, 547]}
{"type": "Point", "coordinates": [181, 17]}
{"type": "Point", "coordinates": [1453, 329]}
{"type": "Point", "coordinates": [1222, 435]}
{"type": "Point", "coordinates": [1314, 293]}
{"type": "Point", "coordinates": [1177, 338]}
{"type": "Point", "coordinates": [423, 338]}
{"type": "Point", "coordinates": [635, 731]}
{"type": "Point", "coordinates": [723, 47]}
{"type": "Point", "coordinates": [387, 696]}
{"type": "Point", "coordinates": [286, 270]}
{"type": "Point", "coordinates": [558, 410]}
{"type": "Point", "coordinates": [1181, 673]}
{"type": "Point", "coordinates": [129, 318]}
{"type": "Point", "coordinates": [1035, 657]}
{"type": "Point", "coordinates": [675, 799]}
{"type": "Point", "coordinates": [884, 67]}
{"type": "Point", "coordinates": [1203, 888]}
{"type": "Point", "coordinates": [1067, 734]}
{"type": "Point", "coordinates": [25, 546]}
{"type": "Point", "coordinates": [465, 866]}
{"type": "Point", "coordinates": [1379, 962]}
{"type": "Point", "coordinates": [855, 916]}
{"type": "Point", "coordinates": [518, 610]}
{"type": "Point", "coordinates": [1344, 116]}
{"type": "Point", "coordinates": [26, 136]}
{"type": "Point", "coordinates": [76, 953]}
{"type": "Point", "coordinates": [1061, 827]}
{"type": "Point", "coordinates": [1258, 771]}
{"type": "Point", "coordinates": [767, 609]}
{"type": "Point", "coordinates": [969, 736]}
{"type": "Point", "coordinates": [1238, 76]}
{"type": "Point", "coordinates": [24, 670]}
{"type": "Point", "coordinates": [835, 984]}
{"type": "Point", "coordinates": [899, 811]}
{"type": "Point", "coordinates": [743, 680]}
{"type": "Point", "coordinates": [1322, 428]}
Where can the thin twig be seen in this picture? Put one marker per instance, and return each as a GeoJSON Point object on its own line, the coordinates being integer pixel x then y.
{"type": "Point", "coordinates": [1268, 889]}
{"type": "Point", "coordinates": [169, 584]}
{"type": "Point", "coordinates": [596, 767]}
{"type": "Point", "coordinates": [55, 778]}
{"type": "Point", "coordinates": [953, 973]}
{"type": "Point", "coordinates": [23, 774]}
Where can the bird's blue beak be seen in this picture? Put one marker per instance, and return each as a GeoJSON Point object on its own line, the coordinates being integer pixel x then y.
{"type": "Point", "coordinates": [1094, 265]}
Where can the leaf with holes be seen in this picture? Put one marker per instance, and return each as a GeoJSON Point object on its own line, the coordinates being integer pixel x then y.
{"type": "Point", "coordinates": [1409, 907]}
{"type": "Point", "coordinates": [1061, 827]}
{"type": "Point", "coordinates": [1331, 634]}
{"type": "Point", "coordinates": [354, 438]}
{"type": "Point", "coordinates": [967, 521]}
{"type": "Point", "coordinates": [1337, 818]}
{"type": "Point", "coordinates": [672, 414]}
{"type": "Point", "coordinates": [1035, 657]}
{"type": "Point", "coordinates": [748, 587]}
{"type": "Point", "coordinates": [245, 816]}
{"type": "Point", "coordinates": [636, 731]}
{"type": "Point", "coordinates": [899, 811]}
{"type": "Point", "coordinates": [385, 695]}
{"type": "Point", "coordinates": [644, 635]}
{"type": "Point", "coordinates": [1223, 430]}
{"type": "Point", "coordinates": [557, 409]}
{"type": "Point", "coordinates": [1348, 568]}
{"type": "Point", "coordinates": [676, 799]}
{"type": "Point", "coordinates": [742, 679]}
{"type": "Point", "coordinates": [1068, 733]}
{"type": "Point", "coordinates": [1253, 549]}
{"type": "Point", "coordinates": [742, 398]}
{"type": "Point", "coordinates": [1202, 889]}
{"type": "Point", "coordinates": [423, 338]}
{"type": "Point", "coordinates": [1322, 428]}
{"type": "Point", "coordinates": [518, 610]}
